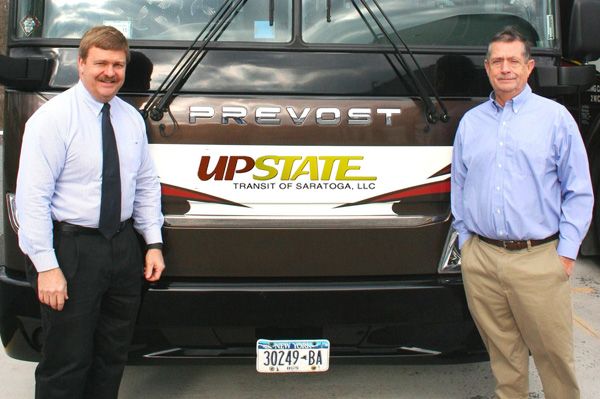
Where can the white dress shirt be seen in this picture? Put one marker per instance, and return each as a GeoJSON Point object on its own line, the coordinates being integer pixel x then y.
{"type": "Point", "coordinates": [60, 172]}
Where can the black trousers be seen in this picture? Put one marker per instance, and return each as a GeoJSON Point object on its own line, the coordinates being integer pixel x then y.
{"type": "Point", "coordinates": [85, 345]}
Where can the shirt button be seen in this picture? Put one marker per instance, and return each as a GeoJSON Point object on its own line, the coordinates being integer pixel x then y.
{"type": "Point", "coordinates": [498, 211]}
{"type": "Point", "coordinates": [497, 188]}
{"type": "Point", "coordinates": [503, 123]}
{"type": "Point", "coordinates": [499, 165]}
{"type": "Point", "coordinates": [501, 232]}
{"type": "Point", "coordinates": [501, 144]}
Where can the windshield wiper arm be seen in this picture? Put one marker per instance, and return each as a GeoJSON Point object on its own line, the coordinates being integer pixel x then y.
{"type": "Point", "coordinates": [271, 12]}
{"type": "Point", "coordinates": [179, 74]}
{"type": "Point", "coordinates": [430, 109]}
{"type": "Point", "coordinates": [387, 57]}
{"type": "Point", "coordinates": [151, 105]}
{"type": "Point", "coordinates": [444, 117]}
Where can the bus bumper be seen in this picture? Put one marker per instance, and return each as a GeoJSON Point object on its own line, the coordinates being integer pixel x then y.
{"type": "Point", "coordinates": [425, 315]}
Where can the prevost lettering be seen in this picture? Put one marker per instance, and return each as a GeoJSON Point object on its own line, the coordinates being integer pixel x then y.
{"type": "Point", "coordinates": [272, 116]}
{"type": "Point", "coordinates": [285, 167]}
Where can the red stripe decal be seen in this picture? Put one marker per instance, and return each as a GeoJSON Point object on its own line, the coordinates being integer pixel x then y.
{"type": "Point", "coordinates": [183, 193]}
{"type": "Point", "coordinates": [439, 187]}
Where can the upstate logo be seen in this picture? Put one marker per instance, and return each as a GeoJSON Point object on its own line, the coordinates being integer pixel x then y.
{"type": "Point", "coordinates": [283, 167]}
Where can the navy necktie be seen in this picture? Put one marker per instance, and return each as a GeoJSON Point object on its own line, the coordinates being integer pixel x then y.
{"type": "Point", "coordinates": [110, 203]}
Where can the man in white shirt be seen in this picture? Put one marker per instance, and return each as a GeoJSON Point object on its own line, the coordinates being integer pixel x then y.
{"type": "Point", "coordinates": [85, 182]}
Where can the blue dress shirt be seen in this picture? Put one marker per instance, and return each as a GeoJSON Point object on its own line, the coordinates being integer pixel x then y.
{"type": "Point", "coordinates": [521, 172]}
{"type": "Point", "coordinates": [60, 172]}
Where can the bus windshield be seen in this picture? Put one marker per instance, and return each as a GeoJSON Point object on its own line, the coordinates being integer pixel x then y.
{"type": "Point", "coordinates": [153, 19]}
{"type": "Point", "coordinates": [428, 22]}
{"type": "Point", "coordinates": [436, 23]}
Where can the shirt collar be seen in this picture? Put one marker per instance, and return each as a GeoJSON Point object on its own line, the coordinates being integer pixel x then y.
{"type": "Point", "coordinates": [89, 100]}
{"type": "Point", "coordinates": [516, 102]}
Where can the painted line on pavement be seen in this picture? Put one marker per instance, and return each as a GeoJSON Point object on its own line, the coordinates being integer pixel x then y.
{"type": "Point", "coordinates": [585, 326]}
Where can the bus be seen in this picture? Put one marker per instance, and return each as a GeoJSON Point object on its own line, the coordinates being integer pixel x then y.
{"type": "Point", "coordinates": [303, 149]}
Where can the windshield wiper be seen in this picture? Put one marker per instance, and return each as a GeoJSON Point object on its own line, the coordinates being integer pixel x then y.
{"type": "Point", "coordinates": [387, 57]}
{"type": "Point", "coordinates": [431, 113]}
{"type": "Point", "coordinates": [187, 63]}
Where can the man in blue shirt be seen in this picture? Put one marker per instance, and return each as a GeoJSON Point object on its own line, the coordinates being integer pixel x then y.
{"type": "Point", "coordinates": [522, 203]}
{"type": "Point", "coordinates": [85, 182]}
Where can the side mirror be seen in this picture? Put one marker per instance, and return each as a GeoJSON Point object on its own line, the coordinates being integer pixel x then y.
{"type": "Point", "coordinates": [584, 31]}
{"type": "Point", "coordinates": [25, 73]}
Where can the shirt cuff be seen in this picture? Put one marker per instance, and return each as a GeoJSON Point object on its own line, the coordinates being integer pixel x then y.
{"type": "Point", "coordinates": [44, 261]}
{"type": "Point", "coordinates": [567, 248]}
{"type": "Point", "coordinates": [152, 236]}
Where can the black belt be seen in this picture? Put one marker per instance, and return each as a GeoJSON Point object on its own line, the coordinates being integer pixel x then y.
{"type": "Point", "coordinates": [514, 245]}
{"type": "Point", "coordinates": [65, 227]}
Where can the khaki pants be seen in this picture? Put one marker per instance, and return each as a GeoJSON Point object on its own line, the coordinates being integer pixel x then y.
{"type": "Point", "coordinates": [521, 302]}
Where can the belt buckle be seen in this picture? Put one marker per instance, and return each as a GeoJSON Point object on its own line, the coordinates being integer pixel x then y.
{"type": "Point", "coordinates": [513, 245]}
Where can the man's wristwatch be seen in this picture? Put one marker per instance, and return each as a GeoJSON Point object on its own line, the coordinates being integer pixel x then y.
{"type": "Point", "coordinates": [156, 245]}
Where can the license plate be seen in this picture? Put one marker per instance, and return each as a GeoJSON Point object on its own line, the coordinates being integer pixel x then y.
{"type": "Point", "coordinates": [292, 356]}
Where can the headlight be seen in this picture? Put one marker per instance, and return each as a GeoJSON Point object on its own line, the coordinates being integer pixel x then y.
{"type": "Point", "coordinates": [11, 211]}
{"type": "Point", "coordinates": [450, 261]}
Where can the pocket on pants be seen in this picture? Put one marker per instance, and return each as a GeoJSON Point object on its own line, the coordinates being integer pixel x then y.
{"type": "Point", "coordinates": [561, 269]}
{"type": "Point", "coordinates": [67, 253]}
{"type": "Point", "coordinates": [466, 250]}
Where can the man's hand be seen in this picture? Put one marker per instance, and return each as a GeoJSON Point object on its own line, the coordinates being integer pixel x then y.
{"type": "Point", "coordinates": [52, 288]}
{"type": "Point", "coordinates": [155, 264]}
{"type": "Point", "coordinates": [568, 264]}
